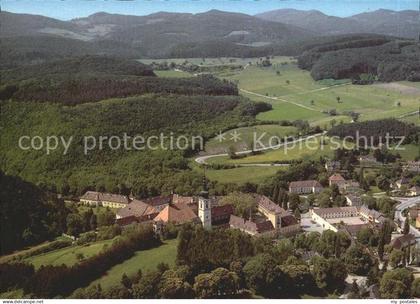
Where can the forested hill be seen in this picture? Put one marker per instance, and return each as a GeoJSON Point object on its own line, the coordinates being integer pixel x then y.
{"type": "Point", "coordinates": [154, 35]}
{"type": "Point", "coordinates": [92, 78]}
{"type": "Point", "coordinates": [384, 58]}
{"type": "Point", "coordinates": [79, 67]}
{"type": "Point", "coordinates": [112, 97]}
{"type": "Point", "coordinates": [29, 215]}
{"type": "Point", "coordinates": [385, 22]}
{"type": "Point", "coordinates": [377, 130]}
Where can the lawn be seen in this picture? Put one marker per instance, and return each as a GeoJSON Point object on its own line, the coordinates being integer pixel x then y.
{"type": "Point", "coordinates": [262, 133]}
{"type": "Point", "coordinates": [67, 255]}
{"type": "Point", "coordinates": [242, 175]}
{"type": "Point", "coordinates": [408, 152]}
{"type": "Point", "coordinates": [144, 260]}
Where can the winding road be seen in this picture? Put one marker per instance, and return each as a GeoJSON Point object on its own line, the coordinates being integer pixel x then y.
{"type": "Point", "coordinates": [202, 160]}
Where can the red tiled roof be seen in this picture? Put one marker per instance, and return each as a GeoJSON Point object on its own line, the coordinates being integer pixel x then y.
{"type": "Point", "coordinates": [176, 213]}
{"type": "Point", "coordinates": [403, 241]}
{"type": "Point", "coordinates": [249, 226]}
{"type": "Point", "coordinates": [336, 177]}
{"type": "Point", "coordinates": [126, 220]}
{"type": "Point", "coordinates": [288, 220]}
{"type": "Point", "coordinates": [182, 199]}
{"type": "Point", "coordinates": [222, 210]}
{"type": "Point", "coordinates": [158, 200]}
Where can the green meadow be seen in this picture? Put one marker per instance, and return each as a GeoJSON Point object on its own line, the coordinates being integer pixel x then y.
{"type": "Point", "coordinates": [144, 260]}
{"type": "Point", "coordinates": [242, 175]}
{"type": "Point", "coordinates": [310, 149]}
{"type": "Point", "coordinates": [246, 137]}
{"type": "Point", "coordinates": [68, 255]}
{"type": "Point", "coordinates": [294, 95]}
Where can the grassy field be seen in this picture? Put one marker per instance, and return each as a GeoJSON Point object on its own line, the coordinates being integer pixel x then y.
{"type": "Point", "coordinates": [310, 149]}
{"type": "Point", "coordinates": [300, 97]}
{"type": "Point", "coordinates": [247, 134]}
{"type": "Point", "coordinates": [295, 95]}
{"type": "Point", "coordinates": [242, 175]}
{"type": "Point", "coordinates": [217, 61]}
{"type": "Point", "coordinates": [67, 255]}
{"type": "Point", "coordinates": [409, 152]}
{"type": "Point", "coordinates": [172, 74]}
{"type": "Point", "coordinates": [13, 294]}
{"type": "Point", "coordinates": [144, 260]}
{"type": "Point", "coordinates": [239, 175]}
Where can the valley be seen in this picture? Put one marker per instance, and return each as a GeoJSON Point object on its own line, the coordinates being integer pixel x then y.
{"type": "Point", "coordinates": [210, 155]}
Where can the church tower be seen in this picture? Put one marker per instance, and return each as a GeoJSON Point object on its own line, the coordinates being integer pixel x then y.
{"type": "Point", "coordinates": [204, 206]}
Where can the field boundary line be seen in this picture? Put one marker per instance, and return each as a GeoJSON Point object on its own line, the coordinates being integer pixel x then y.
{"type": "Point", "coordinates": [280, 99]}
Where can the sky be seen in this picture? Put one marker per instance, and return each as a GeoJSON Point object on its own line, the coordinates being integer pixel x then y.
{"type": "Point", "coordinates": [69, 9]}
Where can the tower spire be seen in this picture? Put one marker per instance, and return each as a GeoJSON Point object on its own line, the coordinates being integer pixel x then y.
{"type": "Point", "coordinates": [205, 191]}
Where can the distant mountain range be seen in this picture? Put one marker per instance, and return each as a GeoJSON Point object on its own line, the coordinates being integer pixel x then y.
{"type": "Point", "coordinates": [214, 33]}
{"type": "Point", "coordinates": [386, 22]}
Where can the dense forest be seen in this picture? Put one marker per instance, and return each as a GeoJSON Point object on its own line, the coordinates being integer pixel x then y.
{"type": "Point", "coordinates": [385, 58]}
{"type": "Point", "coordinates": [92, 78]}
{"type": "Point", "coordinates": [76, 91]}
{"type": "Point", "coordinates": [28, 215]}
{"type": "Point", "coordinates": [377, 130]}
{"type": "Point", "coordinates": [36, 104]}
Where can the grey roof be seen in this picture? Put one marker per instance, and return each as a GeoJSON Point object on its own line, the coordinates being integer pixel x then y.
{"type": "Point", "coordinates": [305, 184]}
{"type": "Point", "coordinates": [108, 197]}
{"type": "Point", "coordinates": [267, 204]}
{"type": "Point", "coordinates": [136, 208]}
{"type": "Point", "coordinates": [324, 211]}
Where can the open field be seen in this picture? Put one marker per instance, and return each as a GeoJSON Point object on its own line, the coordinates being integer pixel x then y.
{"type": "Point", "coordinates": [67, 255]}
{"type": "Point", "coordinates": [307, 150]}
{"type": "Point", "coordinates": [216, 61]}
{"type": "Point", "coordinates": [295, 95]}
{"type": "Point", "coordinates": [409, 152]}
{"type": "Point", "coordinates": [144, 260]}
{"type": "Point", "coordinates": [293, 87]}
{"type": "Point", "coordinates": [246, 136]}
{"type": "Point", "coordinates": [242, 175]}
{"type": "Point", "coordinates": [6, 258]}
{"type": "Point", "coordinates": [239, 175]}
{"type": "Point", "coordinates": [172, 73]}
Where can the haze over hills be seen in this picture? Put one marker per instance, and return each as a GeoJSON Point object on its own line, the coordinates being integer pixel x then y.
{"type": "Point", "coordinates": [156, 30]}
{"type": "Point", "coordinates": [402, 23]}
{"type": "Point", "coordinates": [32, 38]}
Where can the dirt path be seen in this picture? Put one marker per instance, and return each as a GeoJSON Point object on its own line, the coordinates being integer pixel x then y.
{"type": "Point", "coordinates": [280, 99]}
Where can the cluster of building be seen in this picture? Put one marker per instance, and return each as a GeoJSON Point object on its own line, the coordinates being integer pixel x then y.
{"type": "Point", "coordinates": [350, 219]}
{"type": "Point", "coordinates": [414, 215]}
{"type": "Point", "coordinates": [404, 184]}
{"type": "Point", "coordinates": [202, 209]}
{"type": "Point", "coordinates": [271, 220]}
{"type": "Point", "coordinates": [412, 166]}
{"type": "Point", "coordinates": [313, 186]}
